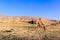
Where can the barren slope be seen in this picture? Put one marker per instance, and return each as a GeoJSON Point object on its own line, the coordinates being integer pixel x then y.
{"type": "Point", "coordinates": [28, 28]}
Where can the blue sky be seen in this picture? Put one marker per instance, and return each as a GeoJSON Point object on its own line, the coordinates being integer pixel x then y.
{"type": "Point", "coordinates": [40, 8]}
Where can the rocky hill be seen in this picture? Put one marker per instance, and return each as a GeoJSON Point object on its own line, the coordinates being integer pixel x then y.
{"type": "Point", "coordinates": [28, 28]}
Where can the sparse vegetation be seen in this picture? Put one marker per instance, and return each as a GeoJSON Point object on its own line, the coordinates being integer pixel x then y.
{"type": "Point", "coordinates": [8, 30]}
{"type": "Point", "coordinates": [53, 24]}
{"type": "Point", "coordinates": [45, 37]}
{"type": "Point", "coordinates": [29, 30]}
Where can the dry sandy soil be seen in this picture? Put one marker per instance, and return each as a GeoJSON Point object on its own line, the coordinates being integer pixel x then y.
{"type": "Point", "coordinates": [28, 28]}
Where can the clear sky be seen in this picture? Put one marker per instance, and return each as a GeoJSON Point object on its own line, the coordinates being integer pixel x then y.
{"type": "Point", "coordinates": [40, 8]}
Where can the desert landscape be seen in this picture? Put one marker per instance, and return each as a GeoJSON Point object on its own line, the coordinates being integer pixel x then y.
{"type": "Point", "coordinates": [28, 28]}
